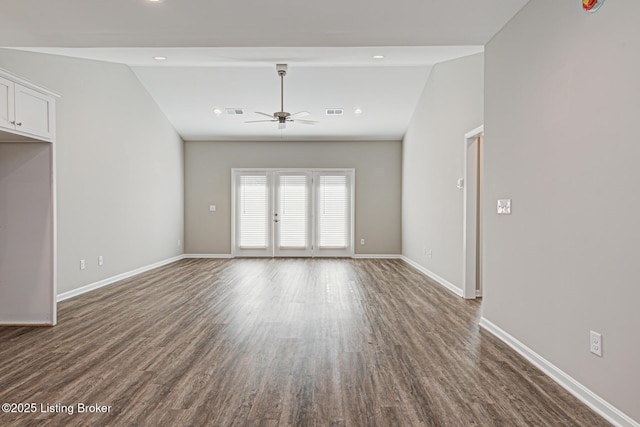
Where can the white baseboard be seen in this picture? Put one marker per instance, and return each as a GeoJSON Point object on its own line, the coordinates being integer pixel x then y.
{"type": "Point", "coordinates": [211, 256]}
{"type": "Point", "coordinates": [28, 322]}
{"type": "Point", "coordinates": [110, 280]}
{"type": "Point", "coordinates": [589, 398]}
{"type": "Point", "coordinates": [356, 256]}
{"type": "Point", "coordinates": [376, 256]}
{"type": "Point", "coordinates": [439, 280]}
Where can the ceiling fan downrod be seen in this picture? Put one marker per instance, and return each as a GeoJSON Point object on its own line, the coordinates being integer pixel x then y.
{"type": "Point", "coordinates": [282, 74]}
{"type": "Point", "coordinates": [282, 71]}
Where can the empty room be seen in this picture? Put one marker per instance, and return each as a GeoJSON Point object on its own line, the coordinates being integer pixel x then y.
{"type": "Point", "coordinates": [338, 214]}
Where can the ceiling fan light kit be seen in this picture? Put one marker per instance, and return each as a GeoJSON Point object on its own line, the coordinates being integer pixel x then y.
{"type": "Point", "coordinates": [282, 117]}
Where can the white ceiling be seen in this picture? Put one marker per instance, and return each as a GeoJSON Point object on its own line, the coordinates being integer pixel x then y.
{"type": "Point", "coordinates": [223, 54]}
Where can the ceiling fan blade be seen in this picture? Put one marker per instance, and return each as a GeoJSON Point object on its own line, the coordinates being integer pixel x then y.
{"type": "Point", "coordinates": [282, 125]}
{"type": "Point", "coordinates": [263, 114]}
{"type": "Point", "coordinates": [306, 122]}
{"type": "Point", "coordinates": [260, 121]}
{"type": "Point", "coordinates": [301, 114]}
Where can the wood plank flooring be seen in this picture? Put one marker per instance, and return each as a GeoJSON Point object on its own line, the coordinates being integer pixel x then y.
{"type": "Point", "coordinates": [276, 342]}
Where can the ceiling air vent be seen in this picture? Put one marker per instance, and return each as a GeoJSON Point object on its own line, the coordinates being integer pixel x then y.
{"type": "Point", "coordinates": [334, 111]}
{"type": "Point", "coordinates": [234, 111]}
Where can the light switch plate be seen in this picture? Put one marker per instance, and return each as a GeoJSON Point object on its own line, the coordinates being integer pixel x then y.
{"type": "Point", "coordinates": [212, 208]}
{"type": "Point", "coordinates": [504, 207]}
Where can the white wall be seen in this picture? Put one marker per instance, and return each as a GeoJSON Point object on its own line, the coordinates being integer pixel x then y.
{"type": "Point", "coordinates": [561, 140]}
{"type": "Point", "coordinates": [432, 160]}
{"type": "Point", "coordinates": [120, 168]}
{"type": "Point", "coordinates": [377, 191]}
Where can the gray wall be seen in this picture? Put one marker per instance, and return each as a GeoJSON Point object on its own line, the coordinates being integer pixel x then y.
{"type": "Point", "coordinates": [561, 140]}
{"type": "Point", "coordinates": [26, 238]}
{"type": "Point", "coordinates": [208, 181]}
{"type": "Point", "coordinates": [119, 168]}
{"type": "Point", "coordinates": [433, 156]}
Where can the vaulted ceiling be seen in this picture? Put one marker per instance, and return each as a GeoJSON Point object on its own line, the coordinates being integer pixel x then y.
{"type": "Point", "coordinates": [223, 54]}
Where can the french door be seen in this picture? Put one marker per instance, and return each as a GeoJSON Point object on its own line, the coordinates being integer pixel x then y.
{"type": "Point", "coordinates": [292, 212]}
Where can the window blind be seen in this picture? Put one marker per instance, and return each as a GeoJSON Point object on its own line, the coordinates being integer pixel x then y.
{"type": "Point", "coordinates": [253, 211]}
{"type": "Point", "coordinates": [292, 210]}
{"type": "Point", "coordinates": [332, 211]}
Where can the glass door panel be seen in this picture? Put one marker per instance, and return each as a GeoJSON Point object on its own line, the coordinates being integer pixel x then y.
{"type": "Point", "coordinates": [292, 214]}
{"type": "Point", "coordinates": [252, 215]}
{"type": "Point", "coordinates": [333, 214]}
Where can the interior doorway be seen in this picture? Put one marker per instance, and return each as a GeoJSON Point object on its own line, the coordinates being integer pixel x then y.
{"type": "Point", "coordinates": [292, 212]}
{"type": "Point", "coordinates": [472, 213]}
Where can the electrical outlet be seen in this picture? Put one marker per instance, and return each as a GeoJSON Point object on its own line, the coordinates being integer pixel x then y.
{"type": "Point", "coordinates": [179, 242]}
{"type": "Point", "coordinates": [83, 264]}
{"type": "Point", "coordinates": [100, 260]}
{"type": "Point", "coordinates": [596, 343]}
{"type": "Point", "coordinates": [430, 254]}
{"type": "Point", "coordinates": [504, 207]}
{"type": "Point", "coordinates": [362, 241]}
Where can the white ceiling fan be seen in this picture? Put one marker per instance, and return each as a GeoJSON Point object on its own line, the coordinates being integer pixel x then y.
{"type": "Point", "coordinates": [282, 117]}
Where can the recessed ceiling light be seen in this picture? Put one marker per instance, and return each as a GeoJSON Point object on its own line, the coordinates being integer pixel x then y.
{"type": "Point", "coordinates": [160, 58]}
{"type": "Point", "coordinates": [378, 56]}
{"type": "Point", "coordinates": [154, 1]}
{"type": "Point", "coordinates": [217, 111]}
{"type": "Point", "coordinates": [358, 111]}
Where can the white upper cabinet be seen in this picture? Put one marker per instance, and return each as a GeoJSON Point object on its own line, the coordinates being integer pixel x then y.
{"type": "Point", "coordinates": [34, 112]}
{"type": "Point", "coordinates": [27, 112]}
{"type": "Point", "coordinates": [6, 103]}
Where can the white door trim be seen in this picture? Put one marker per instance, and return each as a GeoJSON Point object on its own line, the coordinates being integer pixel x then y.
{"type": "Point", "coordinates": [469, 221]}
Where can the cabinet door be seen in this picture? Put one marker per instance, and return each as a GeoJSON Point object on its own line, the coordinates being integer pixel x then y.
{"type": "Point", "coordinates": [34, 112]}
{"type": "Point", "coordinates": [6, 103]}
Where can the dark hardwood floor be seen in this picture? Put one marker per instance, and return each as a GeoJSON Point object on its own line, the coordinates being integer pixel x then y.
{"type": "Point", "coordinates": [270, 342]}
